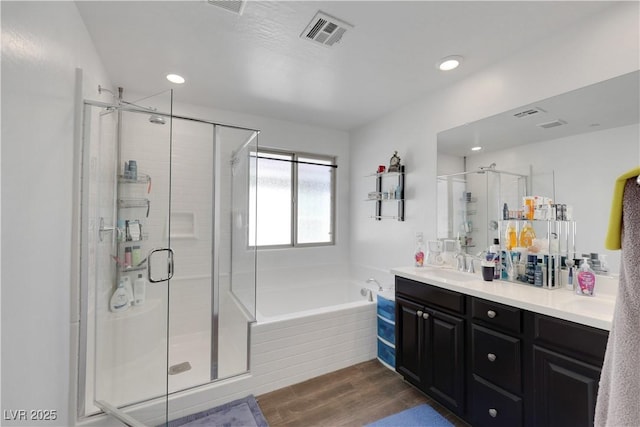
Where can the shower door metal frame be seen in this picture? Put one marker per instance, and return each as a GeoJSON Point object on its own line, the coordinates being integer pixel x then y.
{"type": "Point", "coordinates": [83, 300]}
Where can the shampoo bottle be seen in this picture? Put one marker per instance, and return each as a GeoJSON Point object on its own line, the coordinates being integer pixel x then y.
{"type": "Point", "coordinates": [119, 300]}
{"type": "Point", "coordinates": [139, 290]}
{"type": "Point", "coordinates": [586, 279]}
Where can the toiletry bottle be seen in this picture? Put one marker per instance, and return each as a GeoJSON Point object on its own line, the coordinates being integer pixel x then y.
{"type": "Point", "coordinates": [495, 249]}
{"type": "Point", "coordinates": [136, 256]}
{"type": "Point", "coordinates": [127, 257]}
{"type": "Point", "coordinates": [139, 290]}
{"type": "Point", "coordinates": [419, 253]}
{"type": "Point", "coordinates": [526, 235]}
{"type": "Point", "coordinates": [511, 240]}
{"type": "Point", "coordinates": [133, 169]}
{"type": "Point", "coordinates": [128, 288]}
{"type": "Point", "coordinates": [532, 261]}
{"type": "Point", "coordinates": [586, 279]}
{"type": "Point", "coordinates": [537, 274]}
{"type": "Point", "coordinates": [119, 300]}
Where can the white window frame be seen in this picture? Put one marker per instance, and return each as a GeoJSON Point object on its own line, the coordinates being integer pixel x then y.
{"type": "Point", "coordinates": [295, 155]}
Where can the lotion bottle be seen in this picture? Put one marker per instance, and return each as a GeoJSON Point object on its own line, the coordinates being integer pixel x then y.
{"type": "Point", "coordinates": [139, 290]}
{"type": "Point", "coordinates": [119, 300]}
{"type": "Point", "coordinates": [128, 288]}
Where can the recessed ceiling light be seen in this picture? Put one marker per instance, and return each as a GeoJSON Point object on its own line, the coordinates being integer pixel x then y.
{"type": "Point", "coordinates": [174, 78]}
{"type": "Point", "coordinates": [476, 148]}
{"type": "Point", "coordinates": [449, 63]}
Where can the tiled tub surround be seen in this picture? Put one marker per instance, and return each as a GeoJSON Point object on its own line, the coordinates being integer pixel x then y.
{"type": "Point", "coordinates": [596, 311]}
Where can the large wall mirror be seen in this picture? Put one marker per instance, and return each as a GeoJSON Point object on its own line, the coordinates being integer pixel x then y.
{"type": "Point", "coordinates": [571, 147]}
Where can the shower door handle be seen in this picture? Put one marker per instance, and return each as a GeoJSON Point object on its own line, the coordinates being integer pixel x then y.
{"type": "Point", "coordinates": [169, 265]}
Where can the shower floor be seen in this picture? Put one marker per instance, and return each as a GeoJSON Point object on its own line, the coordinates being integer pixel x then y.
{"type": "Point", "coordinates": [196, 349]}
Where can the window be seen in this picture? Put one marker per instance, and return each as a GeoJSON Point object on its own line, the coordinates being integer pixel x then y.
{"type": "Point", "coordinates": [295, 199]}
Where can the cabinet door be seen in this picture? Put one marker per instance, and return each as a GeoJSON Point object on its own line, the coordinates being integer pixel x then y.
{"type": "Point", "coordinates": [565, 390]}
{"type": "Point", "coordinates": [409, 326]}
{"type": "Point", "coordinates": [444, 359]}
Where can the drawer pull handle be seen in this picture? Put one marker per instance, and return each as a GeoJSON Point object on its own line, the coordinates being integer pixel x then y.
{"type": "Point", "coordinates": [491, 357]}
{"type": "Point", "coordinates": [419, 313]}
{"type": "Point", "coordinates": [491, 314]}
{"type": "Point", "coordinates": [493, 412]}
{"type": "Point", "coordinates": [425, 315]}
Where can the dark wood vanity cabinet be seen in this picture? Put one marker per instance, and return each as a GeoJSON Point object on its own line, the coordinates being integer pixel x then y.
{"type": "Point", "coordinates": [430, 349]}
{"type": "Point", "coordinates": [493, 364]}
{"type": "Point", "coordinates": [567, 360]}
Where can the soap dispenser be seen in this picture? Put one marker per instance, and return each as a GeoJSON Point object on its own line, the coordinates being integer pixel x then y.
{"type": "Point", "coordinates": [586, 279]}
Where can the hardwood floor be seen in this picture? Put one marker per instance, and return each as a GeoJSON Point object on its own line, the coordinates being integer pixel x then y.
{"type": "Point", "coordinates": [354, 396]}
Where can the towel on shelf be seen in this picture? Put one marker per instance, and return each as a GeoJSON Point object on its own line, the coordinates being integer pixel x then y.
{"type": "Point", "coordinates": [617, 402]}
{"type": "Point", "coordinates": [612, 240]}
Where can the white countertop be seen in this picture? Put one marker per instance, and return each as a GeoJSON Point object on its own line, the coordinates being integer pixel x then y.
{"type": "Point", "coordinates": [596, 311]}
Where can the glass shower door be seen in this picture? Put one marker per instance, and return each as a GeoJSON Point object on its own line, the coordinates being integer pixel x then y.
{"type": "Point", "coordinates": [134, 262]}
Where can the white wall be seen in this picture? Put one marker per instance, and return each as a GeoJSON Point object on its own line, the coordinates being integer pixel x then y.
{"type": "Point", "coordinates": [294, 136]}
{"type": "Point", "coordinates": [42, 44]}
{"type": "Point", "coordinates": [599, 48]}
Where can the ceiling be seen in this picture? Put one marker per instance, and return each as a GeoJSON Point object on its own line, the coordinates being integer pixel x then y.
{"type": "Point", "coordinates": [257, 63]}
{"type": "Point", "coordinates": [604, 105]}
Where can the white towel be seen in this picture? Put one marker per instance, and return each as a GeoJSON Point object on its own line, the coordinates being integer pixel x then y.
{"type": "Point", "coordinates": [618, 401]}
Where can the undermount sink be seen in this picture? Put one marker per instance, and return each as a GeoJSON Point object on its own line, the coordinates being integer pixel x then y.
{"type": "Point", "coordinates": [452, 275]}
{"type": "Point", "coordinates": [590, 304]}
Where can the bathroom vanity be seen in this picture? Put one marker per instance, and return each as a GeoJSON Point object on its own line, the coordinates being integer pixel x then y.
{"type": "Point", "coordinates": [499, 353]}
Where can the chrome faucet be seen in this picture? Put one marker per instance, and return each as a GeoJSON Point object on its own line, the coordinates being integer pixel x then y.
{"type": "Point", "coordinates": [372, 280]}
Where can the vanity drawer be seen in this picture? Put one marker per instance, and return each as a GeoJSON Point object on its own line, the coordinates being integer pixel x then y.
{"type": "Point", "coordinates": [492, 406]}
{"type": "Point", "coordinates": [497, 358]}
{"type": "Point", "coordinates": [498, 315]}
{"type": "Point", "coordinates": [583, 342]}
{"type": "Point", "coordinates": [430, 295]}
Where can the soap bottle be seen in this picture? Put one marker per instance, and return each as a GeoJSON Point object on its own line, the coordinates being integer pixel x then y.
{"type": "Point", "coordinates": [511, 240]}
{"type": "Point", "coordinates": [119, 300]}
{"type": "Point", "coordinates": [139, 290]}
{"type": "Point", "coordinates": [526, 235]}
{"type": "Point", "coordinates": [419, 253]}
{"type": "Point", "coordinates": [586, 279]}
{"type": "Point", "coordinates": [128, 288]}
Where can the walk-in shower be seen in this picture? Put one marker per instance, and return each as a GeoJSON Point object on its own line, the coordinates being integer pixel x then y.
{"type": "Point", "coordinates": [471, 203]}
{"type": "Point", "coordinates": [165, 218]}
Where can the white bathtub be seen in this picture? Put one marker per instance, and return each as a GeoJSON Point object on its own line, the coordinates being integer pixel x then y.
{"type": "Point", "coordinates": [308, 329]}
{"type": "Point", "coordinates": [302, 299]}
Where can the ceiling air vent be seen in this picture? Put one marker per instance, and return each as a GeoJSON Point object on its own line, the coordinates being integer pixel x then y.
{"type": "Point", "coordinates": [235, 6]}
{"type": "Point", "coordinates": [552, 124]}
{"type": "Point", "coordinates": [325, 29]}
{"type": "Point", "coordinates": [529, 112]}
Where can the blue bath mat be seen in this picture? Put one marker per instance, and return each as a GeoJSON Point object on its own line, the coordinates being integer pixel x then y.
{"type": "Point", "coordinates": [239, 413]}
{"type": "Point", "coordinates": [418, 416]}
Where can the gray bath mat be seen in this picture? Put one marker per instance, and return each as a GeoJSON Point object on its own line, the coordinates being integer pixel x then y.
{"type": "Point", "coordinates": [239, 413]}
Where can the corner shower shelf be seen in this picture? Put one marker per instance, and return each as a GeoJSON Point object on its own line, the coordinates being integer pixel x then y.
{"type": "Point", "coordinates": [134, 203]}
{"type": "Point", "coordinates": [142, 179]}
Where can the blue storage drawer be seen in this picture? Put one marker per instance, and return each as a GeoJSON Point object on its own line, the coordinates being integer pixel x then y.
{"type": "Point", "coordinates": [387, 330]}
{"type": "Point", "coordinates": [387, 354]}
{"type": "Point", "coordinates": [386, 308]}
